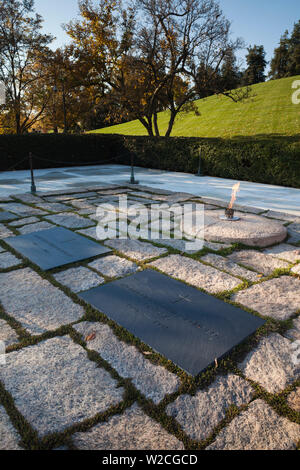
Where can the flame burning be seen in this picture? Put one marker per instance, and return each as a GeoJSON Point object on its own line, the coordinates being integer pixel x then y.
{"type": "Point", "coordinates": [235, 190]}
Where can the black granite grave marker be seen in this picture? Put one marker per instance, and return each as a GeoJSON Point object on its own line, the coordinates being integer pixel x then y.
{"type": "Point", "coordinates": [55, 247]}
{"type": "Point", "coordinates": [190, 328]}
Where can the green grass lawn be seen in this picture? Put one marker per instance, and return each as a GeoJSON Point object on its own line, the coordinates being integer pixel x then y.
{"type": "Point", "coordinates": [269, 111]}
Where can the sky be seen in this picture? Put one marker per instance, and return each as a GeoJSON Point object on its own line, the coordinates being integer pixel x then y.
{"type": "Point", "coordinates": [256, 21]}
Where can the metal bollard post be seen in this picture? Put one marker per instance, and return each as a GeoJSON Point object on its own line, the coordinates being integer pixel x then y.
{"type": "Point", "coordinates": [132, 178]}
{"type": "Point", "coordinates": [199, 165]}
{"type": "Point", "coordinates": [33, 187]}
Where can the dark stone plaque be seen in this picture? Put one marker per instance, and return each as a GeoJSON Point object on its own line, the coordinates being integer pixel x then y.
{"type": "Point", "coordinates": [55, 247]}
{"type": "Point", "coordinates": [190, 328]}
{"type": "Point", "coordinates": [7, 216]}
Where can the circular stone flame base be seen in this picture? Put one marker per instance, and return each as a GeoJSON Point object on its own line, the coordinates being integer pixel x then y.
{"type": "Point", "coordinates": [233, 219]}
{"type": "Point", "coordinates": [250, 230]}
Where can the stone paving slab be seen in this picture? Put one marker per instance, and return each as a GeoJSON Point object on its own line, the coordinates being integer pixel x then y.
{"type": "Point", "coordinates": [229, 266]}
{"type": "Point", "coordinates": [198, 415]}
{"type": "Point", "coordinates": [294, 333]}
{"type": "Point", "coordinates": [277, 298]}
{"type": "Point", "coordinates": [155, 382]}
{"type": "Point", "coordinates": [180, 245]}
{"type": "Point", "coordinates": [55, 385]}
{"type": "Point", "coordinates": [31, 228]}
{"type": "Point", "coordinates": [294, 400]}
{"type": "Point", "coordinates": [284, 251]}
{"type": "Point", "coordinates": [21, 209]}
{"type": "Point", "coordinates": [281, 216]}
{"type": "Point", "coordinates": [7, 334]}
{"type": "Point", "coordinates": [26, 221]}
{"type": "Point", "coordinates": [9, 437]}
{"type": "Point", "coordinates": [1, 249]}
{"type": "Point", "coordinates": [196, 273]}
{"type": "Point", "coordinates": [294, 237]}
{"type": "Point", "coordinates": [114, 266]}
{"type": "Point", "coordinates": [5, 233]}
{"type": "Point", "coordinates": [270, 364]}
{"type": "Point", "coordinates": [70, 221]}
{"type": "Point", "coordinates": [35, 303]}
{"type": "Point", "coordinates": [7, 216]}
{"type": "Point", "coordinates": [139, 251]}
{"type": "Point", "coordinates": [258, 428]}
{"type": "Point", "coordinates": [29, 198]}
{"type": "Point", "coordinates": [296, 269]}
{"type": "Point", "coordinates": [79, 279]}
{"type": "Point", "coordinates": [92, 233]}
{"type": "Point", "coordinates": [54, 207]}
{"type": "Point", "coordinates": [8, 260]}
{"type": "Point", "coordinates": [133, 430]}
{"type": "Point", "coordinates": [260, 262]}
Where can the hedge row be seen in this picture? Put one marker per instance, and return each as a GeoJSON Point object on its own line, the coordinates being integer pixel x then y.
{"type": "Point", "coordinates": [273, 160]}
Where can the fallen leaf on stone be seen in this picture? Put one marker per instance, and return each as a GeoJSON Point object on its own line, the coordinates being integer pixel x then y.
{"type": "Point", "coordinates": [90, 337]}
{"type": "Point", "coordinates": [147, 353]}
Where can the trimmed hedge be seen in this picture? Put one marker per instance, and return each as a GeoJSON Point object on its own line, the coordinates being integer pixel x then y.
{"type": "Point", "coordinates": [272, 160]}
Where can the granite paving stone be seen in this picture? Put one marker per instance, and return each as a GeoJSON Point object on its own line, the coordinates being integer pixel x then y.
{"type": "Point", "coordinates": [294, 332]}
{"type": "Point", "coordinates": [260, 262]}
{"type": "Point", "coordinates": [70, 221]}
{"type": "Point", "coordinates": [9, 437]}
{"type": "Point", "coordinates": [35, 303]}
{"type": "Point", "coordinates": [79, 279]}
{"type": "Point", "coordinates": [153, 381]}
{"type": "Point", "coordinates": [92, 233]}
{"type": "Point", "coordinates": [284, 251]}
{"type": "Point", "coordinates": [35, 227]}
{"type": "Point", "coordinates": [270, 363]}
{"type": "Point", "coordinates": [54, 385]}
{"type": "Point", "coordinates": [26, 221]}
{"type": "Point", "coordinates": [198, 415]}
{"type": "Point", "coordinates": [135, 249]}
{"type": "Point", "coordinates": [7, 334]}
{"type": "Point", "coordinates": [296, 269]}
{"type": "Point", "coordinates": [8, 260]}
{"type": "Point", "coordinates": [281, 216]}
{"type": "Point", "coordinates": [196, 273]}
{"type": "Point", "coordinates": [258, 428]}
{"type": "Point", "coordinates": [114, 266]}
{"type": "Point", "coordinates": [277, 298]}
{"type": "Point", "coordinates": [133, 430]}
{"type": "Point", "coordinates": [5, 232]}
{"type": "Point", "coordinates": [54, 207]}
{"type": "Point", "coordinates": [294, 400]}
{"type": "Point", "coordinates": [22, 209]}
{"type": "Point", "coordinates": [229, 266]}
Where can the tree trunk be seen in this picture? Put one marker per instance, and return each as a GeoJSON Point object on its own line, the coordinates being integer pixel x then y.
{"type": "Point", "coordinates": [171, 124]}
{"type": "Point", "coordinates": [156, 129]}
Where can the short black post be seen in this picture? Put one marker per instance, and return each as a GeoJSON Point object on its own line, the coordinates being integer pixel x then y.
{"type": "Point", "coordinates": [33, 186]}
{"type": "Point", "coordinates": [199, 164]}
{"type": "Point", "coordinates": [132, 178]}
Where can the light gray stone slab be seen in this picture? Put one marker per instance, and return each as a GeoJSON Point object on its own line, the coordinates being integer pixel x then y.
{"type": "Point", "coordinates": [35, 227]}
{"type": "Point", "coordinates": [270, 363]}
{"type": "Point", "coordinates": [20, 222]}
{"type": "Point", "coordinates": [4, 232]}
{"type": "Point", "coordinates": [284, 251]}
{"type": "Point", "coordinates": [155, 382]}
{"type": "Point", "coordinates": [294, 333]}
{"type": "Point", "coordinates": [139, 251]}
{"type": "Point", "coordinates": [92, 233]}
{"type": "Point", "coordinates": [29, 198]}
{"type": "Point", "coordinates": [196, 273]}
{"type": "Point", "coordinates": [9, 437]}
{"type": "Point", "coordinates": [294, 237]}
{"type": "Point", "coordinates": [260, 262]}
{"type": "Point", "coordinates": [180, 245]}
{"type": "Point", "coordinates": [277, 298]}
{"type": "Point", "coordinates": [258, 428]}
{"type": "Point", "coordinates": [54, 207]}
{"type": "Point", "coordinates": [294, 400]}
{"type": "Point", "coordinates": [70, 221]}
{"type": "Point", "coordinates": [281, 216]}
{"type": "Point", "coordinates": [296, 269]}
{"type": "Point", "coordinates": [79, 279]}
{"type": "Point", "coordinates": [8, 260]}
{"type": "Point", "coordinates": [229, 266]}
{"type": "Point", "coordinates": [54, 385]}
{"type": "Point", "coordinates": [198, 415]}
{"type": "Point", "coordinates": [21, 209]}
{"type": "Point", "coordinates": [7, 334]}
{"type": "Point", "coordinates": [35, 303]}
{"type": "Point", "coordinates": [133, 430]}
{"type": "Point", "coordinates": [114, 266]}
{"type": "Point", "coordinates": [295, 226]}
{"type": "Point", "coordinates": [2, 249]}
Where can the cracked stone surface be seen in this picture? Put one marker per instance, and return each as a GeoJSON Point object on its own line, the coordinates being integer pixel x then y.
{"type": "Point", "coordinates": [198, 415]}
{"type": "Point", "coordinates": [296, 269]}
{"type": "Point", "coordinates": [258, 428]}
{"type": "Point", "coordinates": [21, 209]}
{"type": "Point", "coordinates": [294, 400]}
{"type": "Point", "coordinates": [230, 267]}
{"type": "Point", "coordinates": [9, 437]}
{"type": "Point", "coordinates": [79, 279]}
{"type": "Point", "coordinates": [196, 273]}
{"type": "Point", "coordinates": [5, 233]}
{"type": "Point", "coordinates": [114, 266]}
{"type": "Point", "coordinates": [8, 260]}
{"type": "Point", "coordinates": [139, 251]}
{"type": "Point", "coordinates": [260, 262]}
{"type": "Point", "coordinates": [270, 363]}
{"type": "Point", "coordinates": [35, 303]}
{"type": "Point", "coordinates": [70, 221]}
{"type": "Point", "coordinates": [153, 381]}
{"type": "Point", "coordinates": [55, 385]}
{"type": "Point", "coordinates": [277, 298]}
{"type": "Point", "coordinates": [7, 334]}
{"type": "Point", "coordinates": [20, 222]}
{"type": "Point", "coordinates": [133, 430]}
{"type": "Point", "coordinates": [285, 251]}
{"type": "Point", "coordinates": [35, 227]}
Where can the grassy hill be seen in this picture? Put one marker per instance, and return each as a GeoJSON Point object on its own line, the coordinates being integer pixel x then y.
{"type": "Point", "coordinates": [269, 111]}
